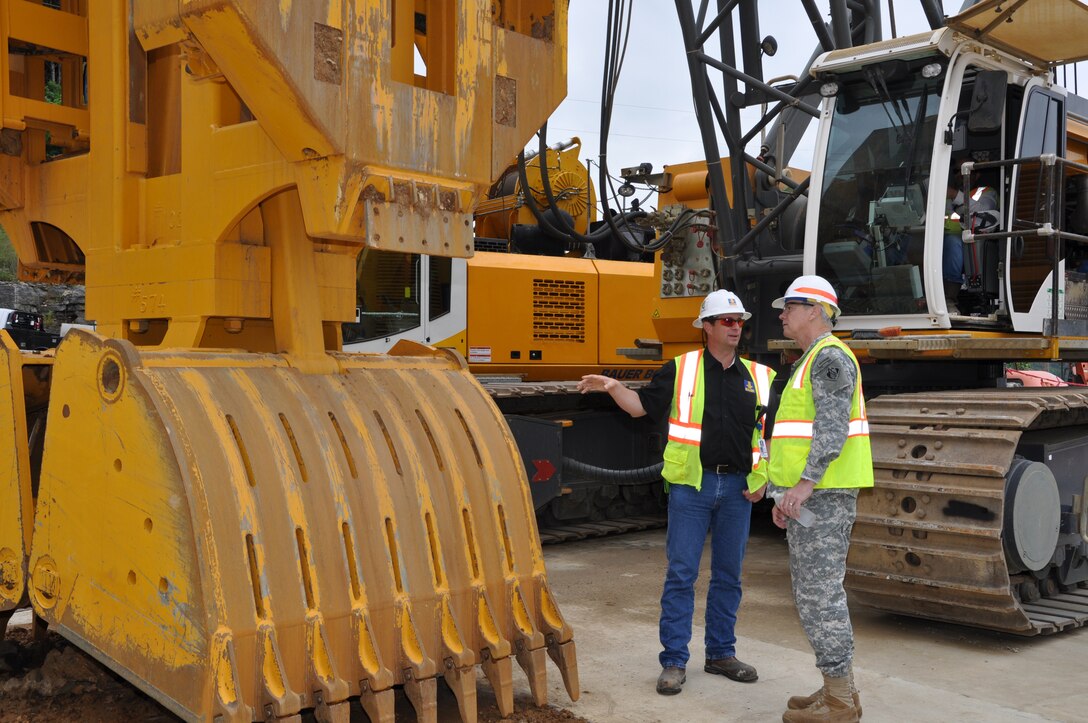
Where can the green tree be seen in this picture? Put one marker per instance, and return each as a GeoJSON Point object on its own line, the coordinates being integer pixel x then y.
{"type": "Point", "coordinates": [9, 262]}
{"type": "Point", "coordinates": [52, 92]}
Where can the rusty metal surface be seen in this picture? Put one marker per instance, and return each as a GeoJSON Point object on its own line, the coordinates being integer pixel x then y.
{"type": "Point", "coordinates": [927, 540]}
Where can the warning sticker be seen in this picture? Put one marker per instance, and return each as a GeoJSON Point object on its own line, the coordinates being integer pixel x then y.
{"type": "Point", "coordinates": [479, 354]}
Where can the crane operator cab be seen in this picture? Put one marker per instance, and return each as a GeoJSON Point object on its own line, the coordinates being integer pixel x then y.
{"type": "Point", "coordinates": [947, 188]}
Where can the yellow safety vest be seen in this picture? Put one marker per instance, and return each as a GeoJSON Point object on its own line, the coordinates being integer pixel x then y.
{"type": "Point", "coordinates": [682, 464]}
{"type": "Point", "coordinates": [793, 425]}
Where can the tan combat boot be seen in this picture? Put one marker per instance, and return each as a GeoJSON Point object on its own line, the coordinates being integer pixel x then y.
{"type": "Point", "coordinates": [833, 703]}
{"type": "Point", "coordinates": [800, 702]}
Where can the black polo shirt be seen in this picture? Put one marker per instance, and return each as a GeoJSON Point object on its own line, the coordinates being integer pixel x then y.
{"type": "Point", "coordinates": [729, 410]}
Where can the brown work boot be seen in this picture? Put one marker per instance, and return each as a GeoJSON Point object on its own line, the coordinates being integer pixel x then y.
{"type": "Point", "coordinates": [732, 668]}
{"type": "Point", "coordinates": [671, 680]}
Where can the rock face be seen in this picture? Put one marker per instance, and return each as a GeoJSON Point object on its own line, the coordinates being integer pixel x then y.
{"type": "Point", "coordinates": [57, 304]}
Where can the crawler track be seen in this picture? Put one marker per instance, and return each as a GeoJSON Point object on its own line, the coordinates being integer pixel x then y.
{"type": "Point", "coordinates": [572, 533]}
{"type": "Point", "coordinates": [928, 538]}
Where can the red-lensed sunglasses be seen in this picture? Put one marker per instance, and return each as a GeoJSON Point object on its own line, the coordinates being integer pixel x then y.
{"type": "Point", "coordinates": [725, 321]}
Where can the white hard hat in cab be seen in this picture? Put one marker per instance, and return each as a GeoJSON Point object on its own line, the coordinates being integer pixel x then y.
{"type": "Point", "coordinates": [718, 303]}
{"type": "Point", "coordinates": [812, 289]}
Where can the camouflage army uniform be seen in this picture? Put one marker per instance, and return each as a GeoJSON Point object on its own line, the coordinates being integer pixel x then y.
{"type": "Point", "coordinates": [818, 553]}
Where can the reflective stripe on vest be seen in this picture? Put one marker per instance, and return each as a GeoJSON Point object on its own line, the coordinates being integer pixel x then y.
{"type": "Point", "coordinates": [953, 218]}
{"type": "Point", "coordinates": [681, 428]}
{"type": "Point", "coordinates": [859, 426]}
{"type": "Point", "coordinates": [682, 463]}
{"type": "Point", "coordinates": [803, 430]}
{"type": "Point", "coordinates": [761, 378]}
{"type": "Point", "coordinates": [794, 427]}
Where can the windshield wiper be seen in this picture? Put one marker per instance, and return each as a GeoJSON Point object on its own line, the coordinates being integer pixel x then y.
{"type": "Point", "coordinates": [914, 133]}
{"type": "Point", "coordinates": [875, 77]}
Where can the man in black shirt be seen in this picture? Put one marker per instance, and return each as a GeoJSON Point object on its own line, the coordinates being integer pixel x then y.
{"type": "Point", "coordinates": [716, 405]}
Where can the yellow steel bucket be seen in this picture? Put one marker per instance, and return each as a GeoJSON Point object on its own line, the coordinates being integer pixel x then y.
{"type": "Point", "coordinates": [245, 540]}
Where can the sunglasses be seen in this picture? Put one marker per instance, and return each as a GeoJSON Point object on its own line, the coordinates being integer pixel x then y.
{"type": "Point", "coordinates": [793, 304]}
{"type": "Point", "coordinates": [725, 321]}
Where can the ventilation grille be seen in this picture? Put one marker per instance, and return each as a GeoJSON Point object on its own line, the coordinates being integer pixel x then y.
{"type": "Point", "coordinates": [559, 310]}
{"type": "Point", "coordinates": [494, 245]}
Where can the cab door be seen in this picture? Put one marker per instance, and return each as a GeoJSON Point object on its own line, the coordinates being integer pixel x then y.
{"type": "Point", "coordinates": [1029, 258]}
{"type": "Point", "coordinates": [407, 296]}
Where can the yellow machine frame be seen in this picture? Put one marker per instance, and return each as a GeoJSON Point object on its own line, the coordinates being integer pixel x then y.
{"type": "Point", "coordinates": [230, 514]}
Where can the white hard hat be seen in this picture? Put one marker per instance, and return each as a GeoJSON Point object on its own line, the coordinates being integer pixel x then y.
{"type": "Point", "coordinates": [811, 288]}
{"type": "Point", "coordinates": [717, 303]}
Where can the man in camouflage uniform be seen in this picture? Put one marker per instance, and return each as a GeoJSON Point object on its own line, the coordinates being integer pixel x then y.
{"type": "Point", "coordinates": [820, 456]}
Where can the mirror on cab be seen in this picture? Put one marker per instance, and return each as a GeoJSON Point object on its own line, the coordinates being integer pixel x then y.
{"type": "Point", "coordinates": [987, 101]}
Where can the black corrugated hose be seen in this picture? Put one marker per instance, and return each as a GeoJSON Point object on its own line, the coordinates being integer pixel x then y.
{"type": "Point", "coordinates": [639, 476]}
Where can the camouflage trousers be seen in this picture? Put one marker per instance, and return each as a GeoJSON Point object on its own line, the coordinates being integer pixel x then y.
{"type": "Point", "coordinates": [817, 568]}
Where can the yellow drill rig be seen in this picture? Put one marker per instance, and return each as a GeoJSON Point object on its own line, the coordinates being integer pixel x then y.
{"type": "Point", "coordinates": [224, 508]}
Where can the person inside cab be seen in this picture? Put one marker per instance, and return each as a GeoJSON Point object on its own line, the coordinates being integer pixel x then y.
{"type": "Point", "coordinates": [960, 260]}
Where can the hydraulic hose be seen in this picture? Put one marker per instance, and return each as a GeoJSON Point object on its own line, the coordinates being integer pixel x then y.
{"type": "Point", "coordinates": [638, 476]}
{"type": "Point", "coordinates": [603, 232]}
{"type": "Point", "coordinates": [548, 227]}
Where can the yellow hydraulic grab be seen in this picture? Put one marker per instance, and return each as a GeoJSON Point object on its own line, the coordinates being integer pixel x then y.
{"type": "Point", "coordinates": [231, 513]}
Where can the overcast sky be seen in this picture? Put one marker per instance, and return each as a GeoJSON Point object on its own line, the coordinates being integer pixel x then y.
{"type": "Point", "coordinates": [653, 120]}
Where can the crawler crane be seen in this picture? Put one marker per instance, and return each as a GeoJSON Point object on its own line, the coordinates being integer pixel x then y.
{"type": "Point", "coordinates": [980, 511]}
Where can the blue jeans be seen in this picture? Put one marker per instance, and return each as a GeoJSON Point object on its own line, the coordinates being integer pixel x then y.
{"type": "Point", "coordinates": [953, 258]}
{"type": "Point", "coordinates": [720, 509]}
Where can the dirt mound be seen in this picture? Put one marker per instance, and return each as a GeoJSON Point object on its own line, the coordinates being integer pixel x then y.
{"type": "Point", "coordinates": [53, 680]}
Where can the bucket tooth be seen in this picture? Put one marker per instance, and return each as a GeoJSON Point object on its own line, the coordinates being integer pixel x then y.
{"type": "Point", "coordinates": [560, 639]}
{"type": "Point", "coordinates": [462, 681]}
{"type": "Point", "coordinates": [528, 645]}
{"type": "Point", "coordinates": [497, 646]}
{"type": "Point", "coordinates": [280, 701]}
{"type": "Point", "coordinates": [458, 665]}
{"type": "Point", "coordinates": [500, 673]}
{"type": "Point", "coordinates": [380, 706]}
{"type": "Point", "coordinates": [378, 676]}
{"type": "Point", "coordinates": [453, 644]}
{"type": "Point", "coordinates": [532, 661]}
{"type": "Point", "coordinates": [331, 688]}
{"type": "Point", "coordinates": [564, 657]}
{"type": "Point", "coordinates": [523, 623]}
{"type": "Point", "coordinates": [420, 665]}
{"type": "Point", "coordinates": [227, 685]}
{"type": "Point", "coordinates": [424, 697]}
{"type": "Point", "coordinates": [338, 712]}
{"type": "Point", "coordinates": [551, 620]}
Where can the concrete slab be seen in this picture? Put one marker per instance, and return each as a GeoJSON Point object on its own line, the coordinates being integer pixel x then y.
{"type": "Point", "coordinates": [22, 617]}
{"type": "Point", "coordinates": [907, 670]}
